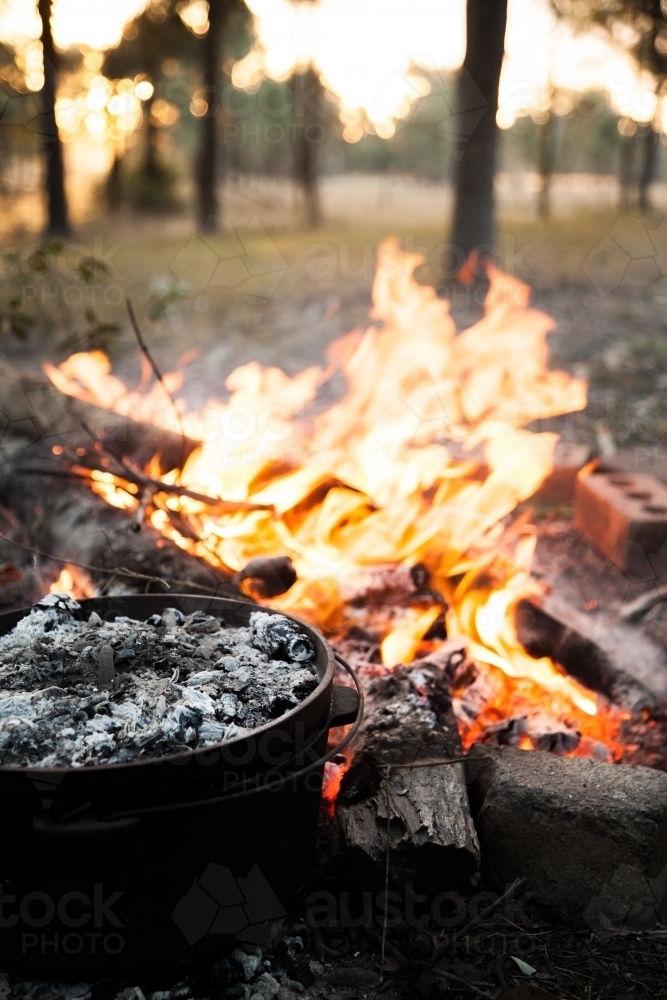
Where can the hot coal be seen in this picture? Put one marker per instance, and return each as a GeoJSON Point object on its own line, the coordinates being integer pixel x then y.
{"type": "Point", "coordinates": [77, 693]}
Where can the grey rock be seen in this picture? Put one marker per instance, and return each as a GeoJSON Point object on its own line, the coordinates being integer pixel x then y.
{"type": "Point", "coordinates": [564, 823]}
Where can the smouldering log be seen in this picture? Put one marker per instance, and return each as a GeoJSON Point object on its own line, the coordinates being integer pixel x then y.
{"type": "Point", "coordinates": [431, 839]}
{"type": "Point", "coordinates": [70, 522]}
{"type": "Point", "coordinates": [33, 410]}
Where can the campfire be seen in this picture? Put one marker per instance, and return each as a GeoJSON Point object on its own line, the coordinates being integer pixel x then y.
{"type": "Point", "coordinates": [397, 505]}
{"type": "Point", "coordinates": [399, 522]}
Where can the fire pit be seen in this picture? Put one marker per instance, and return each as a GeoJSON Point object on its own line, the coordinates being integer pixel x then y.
{"type": "Point", "coordinates": [130, 865]}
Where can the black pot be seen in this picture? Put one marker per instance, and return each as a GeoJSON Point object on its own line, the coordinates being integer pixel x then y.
{"type": "Point", "coordinates": [116, 868]}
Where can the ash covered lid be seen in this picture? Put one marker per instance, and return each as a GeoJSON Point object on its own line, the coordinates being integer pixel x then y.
{"type": "Point", "coordinates": [77, 693]}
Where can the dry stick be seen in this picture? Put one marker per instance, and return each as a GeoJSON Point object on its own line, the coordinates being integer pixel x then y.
{"type": "Point", "coordinates": [480, 918]}
{"type": "Point", "coordinates": [158, 375]}
{"type": "Point", "coordinates": [120, 571]}
{"type": "Point", "coordinates": [417, 966]}
{"type": "Point", "coordinates": [131, 472]}
{"type": "Point", "coordinates": [132, 475]}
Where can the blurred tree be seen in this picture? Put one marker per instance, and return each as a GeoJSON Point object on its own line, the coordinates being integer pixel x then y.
{"type": "Point", "coordinates": [644, 22]}
{"type": "Point", "coordinates": [57, 215]}
{"type": "Point", "coordinates": [224, 19]}
{"type": "Point", "coordinates": [207, 167]}
{"type": "Point", "coordinates": [546, 138]}
{"type": "Point", "coordinates": [308, 133]}
{"type": "Point", "coordinates": [158, 33]}
{"type": "Point", "coordinates": [477, 104]}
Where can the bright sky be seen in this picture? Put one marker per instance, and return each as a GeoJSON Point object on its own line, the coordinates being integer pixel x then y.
{"type": "Point", "coordinates": [369, 51]}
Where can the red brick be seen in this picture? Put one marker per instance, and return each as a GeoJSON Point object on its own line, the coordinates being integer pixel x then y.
{"type": "Point", "coordinates": [625, 516]}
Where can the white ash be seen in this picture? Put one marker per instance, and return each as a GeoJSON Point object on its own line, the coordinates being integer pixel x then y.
{"type": "Point", "coordinates": [180, 682]}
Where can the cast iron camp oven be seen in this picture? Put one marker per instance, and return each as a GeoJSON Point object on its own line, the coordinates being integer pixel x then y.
{"type": "Point", "coordinates": [112, 868]}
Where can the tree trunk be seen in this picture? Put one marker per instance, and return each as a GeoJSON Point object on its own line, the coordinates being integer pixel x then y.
{"type": "Point", "coordinates": [208, 153]}
{"type": "Point", "coordinates": [650, 142]}
{"type": "Point", "coordinates": [627, 171]}
{"type": "Point", "coordinates": [114, 191]}
{"type": "Point", "coordinates": [308, 133]}
{"type": "Point", "coordinates": [151, 161]}
{"type": "Point", "coordinates": [474, 228]}
{"type": "Point", "coordinates": [545, 134]}
{"type": "Point", "coordinates": [58, 220]}
{"type": "Point", "coordinates": [408, 720]}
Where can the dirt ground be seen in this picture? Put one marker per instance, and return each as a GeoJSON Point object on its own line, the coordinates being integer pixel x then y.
{"type": "Point", "coordinates": [278, 295]}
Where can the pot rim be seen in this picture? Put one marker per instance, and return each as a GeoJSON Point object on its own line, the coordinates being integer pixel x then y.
{"type": "Point", "coordinates": [325, 681]}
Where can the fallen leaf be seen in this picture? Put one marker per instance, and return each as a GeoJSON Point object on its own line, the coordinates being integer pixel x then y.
{"type": "Point", "coordinates": [527, 970]}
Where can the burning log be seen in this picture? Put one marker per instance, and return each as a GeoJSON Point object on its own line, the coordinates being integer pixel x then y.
{"type": "Point", "coordinates": [32, 410]}
{"type": "Point", "coordinates": [71, 523]}
{"type": "Point", "coordinates": [582, 623]}
{"type": "Point", "coordinates": [401, 771]}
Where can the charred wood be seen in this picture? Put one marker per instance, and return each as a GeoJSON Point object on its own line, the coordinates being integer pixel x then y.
{"type": "Point", "coordinates": [69, 522]}
{"type": "Point", "coordinates": [400, 796]}
{"type": "Point", "coordinates": [33, 411]}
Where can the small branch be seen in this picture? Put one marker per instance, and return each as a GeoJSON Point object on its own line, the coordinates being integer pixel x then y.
{"type": "Point", "coordinates": [133, 475]}
{"type": "Point", "coordinates": [120, 571]}
{"type": "Point", "coordinates": [158, 375]}
{"type": "Point", "coordinates": [635, 609]}
{"type": "Point", "coordinates": [417, 966]}
{"type": "Point", "coordinates": [480, 918]}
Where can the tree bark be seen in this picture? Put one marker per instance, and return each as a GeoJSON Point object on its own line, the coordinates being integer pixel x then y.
{"type": "Point", "coordinates": [408, 720]}
{"type": "Point", "coordinates": [208, 154]}
{"type": "Point", "coordinates": [474, 228]}
{"type": "Point", "coordinates": [650, 145]}
{"type": "Point", "coordinates": [57, 214]}
{"type": "Point", "coordinates": [151, 161]}
{"type": "Point", "coordinates": [308, 114]}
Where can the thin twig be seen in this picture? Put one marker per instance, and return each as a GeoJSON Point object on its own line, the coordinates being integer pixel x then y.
{"type": "Point", "coordinates": [480, 918]}
{"type": "Point", "coordinates": [426, 763]}
{"type": "Point", "coordinates": [121, 570]}
{"type": "Point", "coordinates": [133, 475]}
{"type": "Point", "coordinates": [158, 375]}
{"type": "Point", "coordinates": [417, 966]}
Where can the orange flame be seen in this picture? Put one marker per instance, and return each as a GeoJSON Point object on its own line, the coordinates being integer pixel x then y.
{"type": "Point", "coordinates": [421, 461]}
{"type": "Point", "coordinates": [73, 581]}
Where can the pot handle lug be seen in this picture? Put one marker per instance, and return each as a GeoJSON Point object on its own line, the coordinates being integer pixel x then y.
{"type": "Point", "coordinates": [85, 828]}
{"type": "Point", "coordinates": [344, 706]}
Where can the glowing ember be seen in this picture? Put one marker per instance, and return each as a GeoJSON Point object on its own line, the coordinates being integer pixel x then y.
{"type": "Point", "coordinates": [377, 480]}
